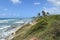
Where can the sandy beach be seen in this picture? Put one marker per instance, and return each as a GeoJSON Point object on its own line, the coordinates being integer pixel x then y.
{"type": "Point", "coordinates": [12, 35]}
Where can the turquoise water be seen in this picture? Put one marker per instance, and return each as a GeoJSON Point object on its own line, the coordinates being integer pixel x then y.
{"type": "Point", "coordinates": [7, 26]}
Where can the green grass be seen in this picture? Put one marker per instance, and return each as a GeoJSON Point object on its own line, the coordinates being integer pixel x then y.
{"type": "Point", "coordinates": [46, 28]}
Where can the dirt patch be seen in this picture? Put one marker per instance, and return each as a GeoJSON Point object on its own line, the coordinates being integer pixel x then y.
{"type": "Point", "coordinates": [34, 38]}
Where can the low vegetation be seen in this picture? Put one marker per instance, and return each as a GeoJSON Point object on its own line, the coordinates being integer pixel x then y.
{"type": "Point", "coordinates": [46, 28]}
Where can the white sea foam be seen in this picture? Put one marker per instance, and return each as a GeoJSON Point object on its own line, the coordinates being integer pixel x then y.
{"type": "Point", "coordinates": [6, 34]}
{"type": "Point", "coordinates": [9, 32]}
{"type": "Point", "coordinates": [8, 26]}
{"type": "Point", "coordinates": [2, 39]}
{"type": "Point", "coordinates": [5, 27]}
{"type": "Point", "coordinates": [19, 22]}
{"type": "Point", "coordinates": [3, 21]}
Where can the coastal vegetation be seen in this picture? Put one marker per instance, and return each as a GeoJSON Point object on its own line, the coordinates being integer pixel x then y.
{"type": "Point", "coordinates": [46, 27]}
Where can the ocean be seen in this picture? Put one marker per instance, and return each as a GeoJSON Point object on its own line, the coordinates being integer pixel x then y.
{"type": "Point", "coordinates": [8, 25]}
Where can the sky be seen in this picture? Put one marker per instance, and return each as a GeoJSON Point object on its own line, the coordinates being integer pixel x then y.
{"type": "Point", "coordinates": [27, 8]}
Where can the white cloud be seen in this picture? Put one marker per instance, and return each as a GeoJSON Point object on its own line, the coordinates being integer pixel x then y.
{"type": "Point", "coordinates": [37, 3]}
{"type": "Point", "coordinates": [53, 10]}
{"type": "Point", "coordinates": [16, 1]}
{"type": "Point", "coordinates": [56, 7]}
{"type": "Point", "coordinates": [55, 2]}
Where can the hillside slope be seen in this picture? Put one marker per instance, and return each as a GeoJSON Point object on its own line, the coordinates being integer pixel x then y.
{"type": "Point", "coordinates": [46, 28]}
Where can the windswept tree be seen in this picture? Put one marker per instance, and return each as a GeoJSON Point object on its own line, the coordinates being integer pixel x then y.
{"type": "Point", "coordinates": [43, 12]}
{"type": "Point", "coordinates": [47, 13]}
{"type": "Point", "coordinates": [38, 14]}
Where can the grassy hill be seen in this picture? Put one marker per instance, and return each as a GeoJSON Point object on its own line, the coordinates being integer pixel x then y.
{"type": "Point", "coordinates": [45, 28]}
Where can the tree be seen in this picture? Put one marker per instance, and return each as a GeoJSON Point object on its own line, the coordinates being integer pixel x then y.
{"type": "Point", "coordinates": [43, 12]}
{"type": "Point", "coordinates": [47, 13]}
{"type": "Point", "coordinates": [38, 14]}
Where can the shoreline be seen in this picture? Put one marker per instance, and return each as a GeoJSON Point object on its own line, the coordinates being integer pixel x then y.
{"type": "Point", "coordinates": [12, 35]}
